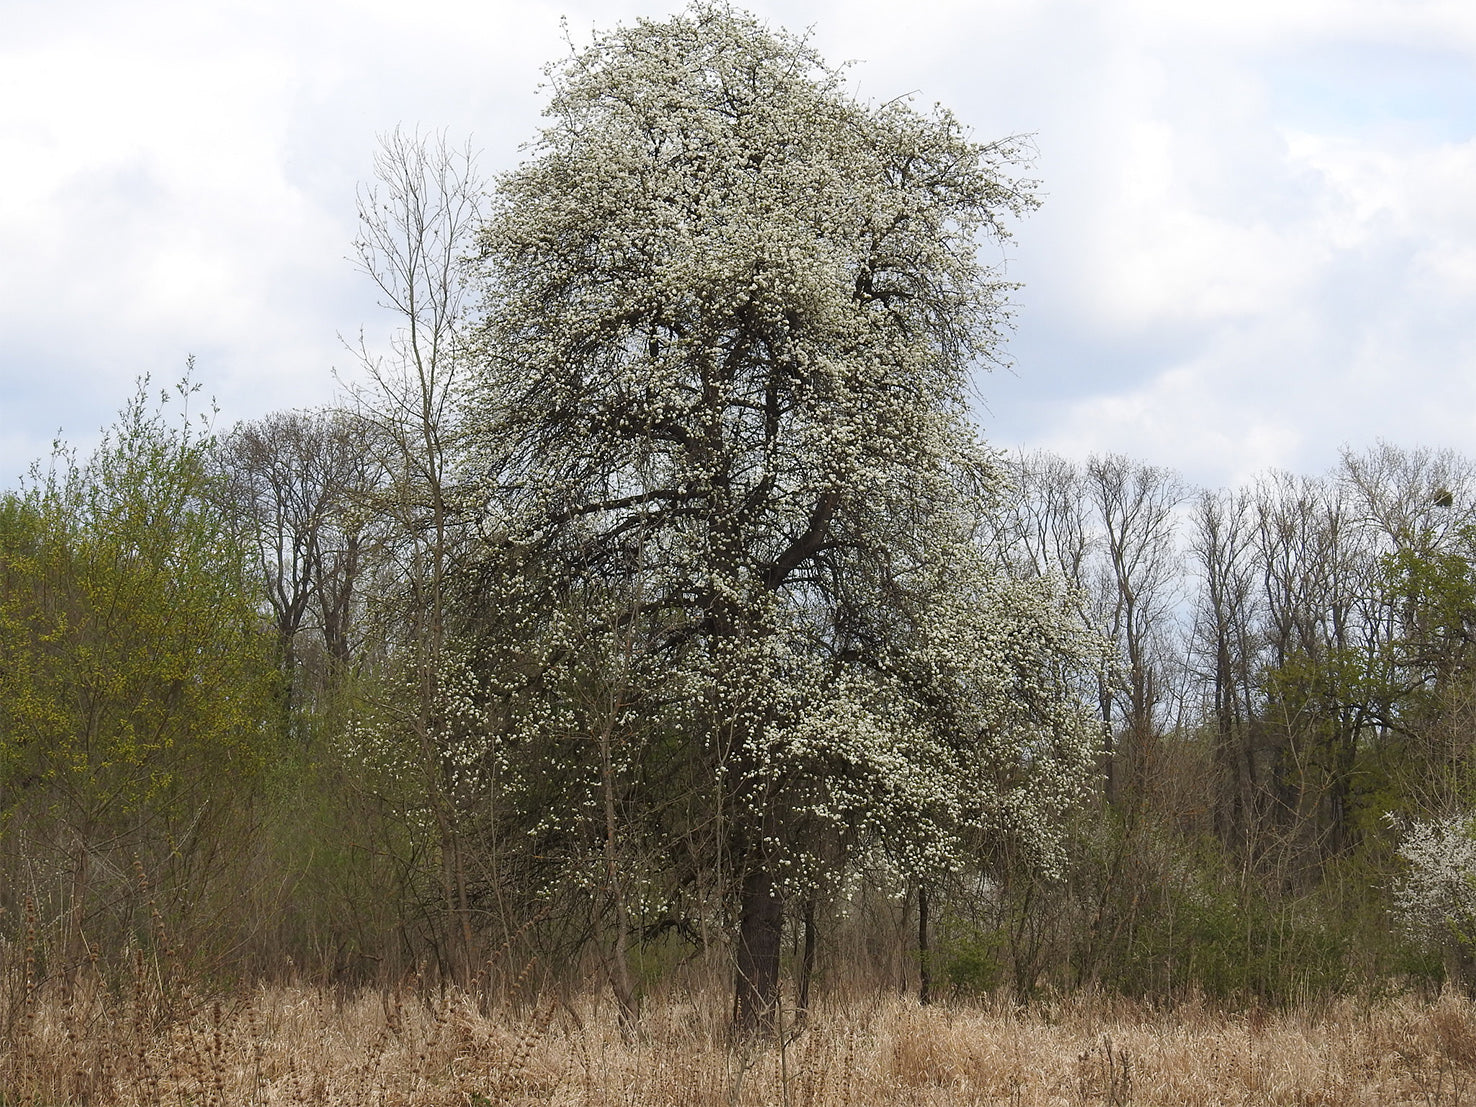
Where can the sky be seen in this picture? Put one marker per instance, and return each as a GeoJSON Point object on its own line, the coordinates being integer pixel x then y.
{"type": "Point", "coordinates": [1257, 247]}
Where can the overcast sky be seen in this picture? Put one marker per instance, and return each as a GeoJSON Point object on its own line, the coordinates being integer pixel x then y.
{"type": "Point", "coordinates": [1258, 242]}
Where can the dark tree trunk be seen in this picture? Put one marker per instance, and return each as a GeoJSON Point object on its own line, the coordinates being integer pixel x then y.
{"type": "Point", "coordinates": [807, 961]}
{"type": "Point", "coordinates": [924, 966]}
{"type": "Point", "coordinates": [760, 931]}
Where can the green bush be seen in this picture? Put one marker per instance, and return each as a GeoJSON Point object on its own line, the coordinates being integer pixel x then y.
{"type": "Point", "coordinates": [973, 963]}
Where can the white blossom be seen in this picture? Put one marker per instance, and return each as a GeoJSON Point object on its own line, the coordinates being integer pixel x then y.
{"type": "Point", "coordinates": [1435, 900]}
{"type": "Point", "coordinates": [732, 316]}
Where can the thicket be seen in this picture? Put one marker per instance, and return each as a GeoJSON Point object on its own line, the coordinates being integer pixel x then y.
{"type": "Point", "coordinates": [505, 679]}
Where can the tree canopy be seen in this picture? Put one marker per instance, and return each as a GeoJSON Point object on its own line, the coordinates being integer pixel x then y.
{"type": "Point", "coordinates": [731, 316]}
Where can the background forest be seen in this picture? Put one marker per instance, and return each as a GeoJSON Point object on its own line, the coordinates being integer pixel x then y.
{"type": "Point", "coordinates": [290, 700]}
{"type": "Point", "coordinates": [215, 701]}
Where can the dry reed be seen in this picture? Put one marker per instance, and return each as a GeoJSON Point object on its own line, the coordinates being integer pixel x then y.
{"type": "Point", "coordinates": [84, 1045]}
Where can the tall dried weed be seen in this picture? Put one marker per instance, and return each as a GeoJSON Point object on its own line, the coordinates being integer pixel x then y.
{"type": "Point", "coordinates": [84, 1041]}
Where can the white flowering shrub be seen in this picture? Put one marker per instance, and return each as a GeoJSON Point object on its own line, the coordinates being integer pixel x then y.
{"type": "Point", "coordinates": [1435, 900]}
{"type": "Point", "coordinates": [732, 316]}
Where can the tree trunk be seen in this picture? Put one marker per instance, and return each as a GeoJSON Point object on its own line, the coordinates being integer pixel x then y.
{"type": "Point", "coordinates": [924, 967]}
{"type": "Point", "coordinates": [807, 962]}
{"type": "Point", "coordinates": [619, 963]}
{"type": "Point", "coordinates": [760, 932]}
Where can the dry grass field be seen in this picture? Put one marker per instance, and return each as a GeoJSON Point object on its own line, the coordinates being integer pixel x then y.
{"type": "Point", "coordinates": [298, 1045]}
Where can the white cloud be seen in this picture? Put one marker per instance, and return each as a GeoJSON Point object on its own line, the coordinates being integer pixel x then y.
{"type": "Point", "coordinates": [1259, 239]}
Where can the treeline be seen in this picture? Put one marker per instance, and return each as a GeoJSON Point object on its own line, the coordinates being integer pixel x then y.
{"type": "Point", "coordinates": [232, 724]}
{"type": "Point", "coordinates": [1293, 692]}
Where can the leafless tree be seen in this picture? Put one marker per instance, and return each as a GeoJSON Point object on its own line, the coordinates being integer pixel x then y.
{"type": "Point", "coordinates": [1049, 529]}
{"type": "Point", "coordinates": [1417, 498]}
{"type": "Point", "coordinates": [298, 482]}
{"type": "Point", "coordinates": [1136, 595]}
{"type": "Point", "coordinates": [1226, 647]}
{"type": "Point", "coordinates": [1322, 620]}
{"type": "Point", "coordinates": [416, 220]}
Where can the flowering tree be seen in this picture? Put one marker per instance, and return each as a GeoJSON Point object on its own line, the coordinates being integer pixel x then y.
{"type": "Point", "coordinates": [731, 315]}
{"type": "Point", "coordinates": [1436, 898]}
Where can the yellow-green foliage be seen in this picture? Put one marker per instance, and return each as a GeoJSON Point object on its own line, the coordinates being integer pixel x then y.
{"type": "Point", "coordinates": [132, 674]}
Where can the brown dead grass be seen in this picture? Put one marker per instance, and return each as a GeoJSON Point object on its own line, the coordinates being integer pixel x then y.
{"type": "Point", "coordinates": [298, 1045]}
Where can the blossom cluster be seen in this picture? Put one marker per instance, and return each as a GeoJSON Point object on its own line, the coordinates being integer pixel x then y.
{"type": "Point", "coordinates": [1435, 900]}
